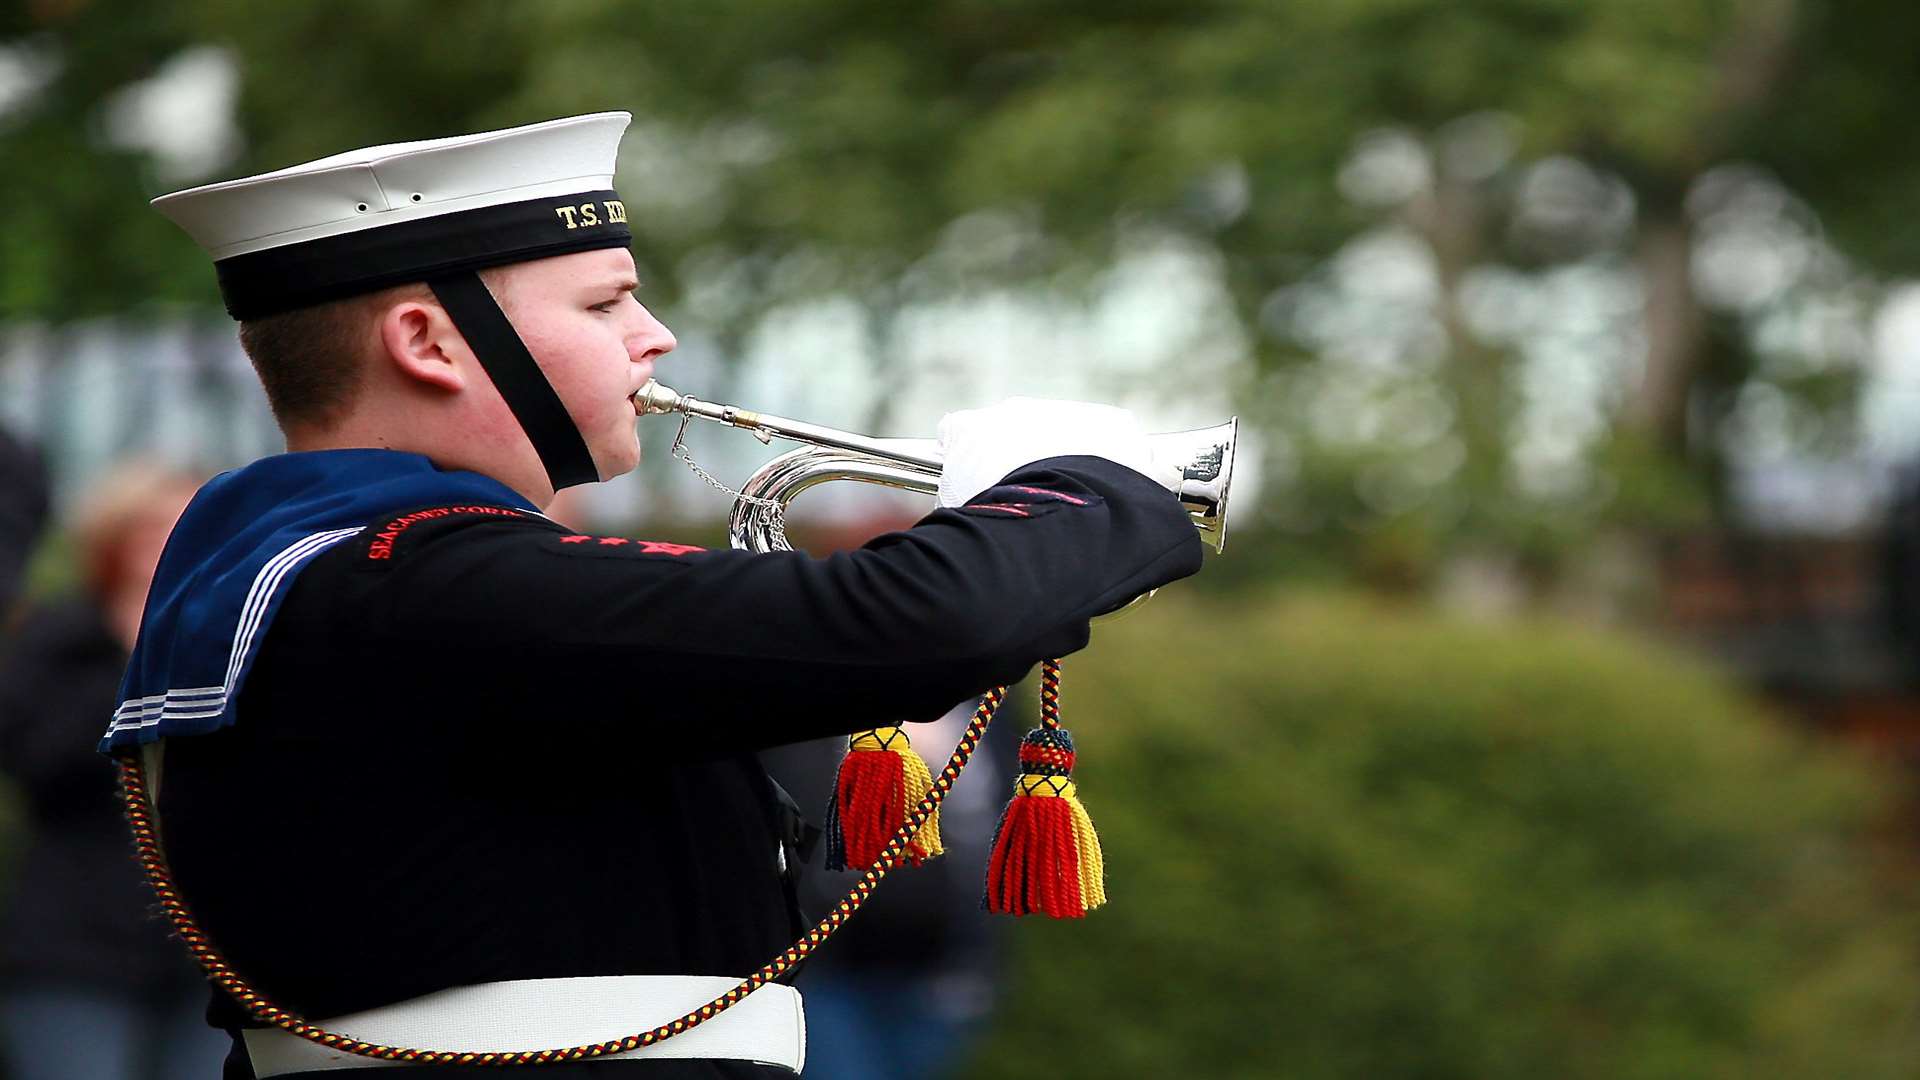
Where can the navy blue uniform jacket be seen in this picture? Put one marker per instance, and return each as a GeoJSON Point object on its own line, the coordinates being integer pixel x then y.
{"type": "Point", "coordinates": [489, 748]}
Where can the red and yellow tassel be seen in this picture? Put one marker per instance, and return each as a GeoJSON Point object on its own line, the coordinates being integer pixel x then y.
{"type": "Point", "coordinates": [1046, 856]}
{"type": "Point", "coordinates": [881, 780]}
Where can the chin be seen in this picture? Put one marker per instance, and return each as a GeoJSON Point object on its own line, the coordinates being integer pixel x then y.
{"type": "Point", "coordinates": [619, 459]}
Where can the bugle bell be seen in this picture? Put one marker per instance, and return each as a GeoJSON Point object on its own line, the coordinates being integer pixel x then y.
{"type": "Point", "coordinates": [758, 518]}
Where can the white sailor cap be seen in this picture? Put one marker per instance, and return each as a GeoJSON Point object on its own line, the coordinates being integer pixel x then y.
{"type": "Point", "coordinates": [386, 215]}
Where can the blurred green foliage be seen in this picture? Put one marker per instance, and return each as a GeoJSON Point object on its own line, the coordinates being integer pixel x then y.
{"type": "Point", "coordinates": [1349, 839]}
{"type": "Point", "coordinates": [895, 155]}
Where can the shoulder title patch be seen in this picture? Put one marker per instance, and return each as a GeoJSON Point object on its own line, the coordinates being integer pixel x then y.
{"type": "Point", "coordinates": [380, 544]}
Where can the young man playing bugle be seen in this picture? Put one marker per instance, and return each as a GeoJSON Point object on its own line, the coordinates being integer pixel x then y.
{"type": "Point", "coordinates": [440, 772]}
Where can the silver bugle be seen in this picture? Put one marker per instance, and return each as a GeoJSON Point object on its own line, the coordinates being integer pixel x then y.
{"type": "Point", "coordinates": [913, 465]}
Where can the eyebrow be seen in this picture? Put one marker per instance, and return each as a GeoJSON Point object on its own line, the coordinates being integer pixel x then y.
{"type": "Point", "coordinates": [623, 285]}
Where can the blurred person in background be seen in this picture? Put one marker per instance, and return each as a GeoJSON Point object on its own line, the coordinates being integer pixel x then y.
{"type": "Point", "coordinates": [23, 512]}
{"type": "Point", "coordinates": [92, 987]}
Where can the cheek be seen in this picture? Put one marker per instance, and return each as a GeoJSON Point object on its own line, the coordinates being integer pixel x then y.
{"type": "Point", "coordinates": [588, 368]}
{"type": "Point", "coordinates": [574, 360]}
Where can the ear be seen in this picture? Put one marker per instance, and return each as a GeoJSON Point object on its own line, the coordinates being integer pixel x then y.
{"type": "Point", "coordinates": [424, 346]}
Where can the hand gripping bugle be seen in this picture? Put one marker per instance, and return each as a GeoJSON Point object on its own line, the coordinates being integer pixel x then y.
{"type": "Point", "coordinates": [757, 521]}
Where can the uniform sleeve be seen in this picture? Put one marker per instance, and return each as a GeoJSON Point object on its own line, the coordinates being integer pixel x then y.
{"type": "Point", "coordinates": [735, 650]}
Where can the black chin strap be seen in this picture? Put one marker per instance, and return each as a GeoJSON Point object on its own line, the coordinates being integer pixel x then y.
{"type": "Point", "coordinates": [553, 433]}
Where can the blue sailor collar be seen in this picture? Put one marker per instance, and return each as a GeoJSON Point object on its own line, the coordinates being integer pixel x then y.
{"type": "Point", "coordinates": [230, 560]}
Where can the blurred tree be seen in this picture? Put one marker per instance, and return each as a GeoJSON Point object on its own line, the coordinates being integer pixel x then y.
{"type": "Point", "coordinates": [79, 240]}
{"type": "Point", "coordinates": [1412, 203]}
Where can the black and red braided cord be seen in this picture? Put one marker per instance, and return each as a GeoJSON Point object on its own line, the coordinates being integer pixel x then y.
{"type": "Point", "coordinates": [1050, 694]}
{"type": "Point", "coordinates": [140, 816]}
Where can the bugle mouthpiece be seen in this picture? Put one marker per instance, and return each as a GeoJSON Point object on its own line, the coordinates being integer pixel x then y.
{"type": "Point", "coordinates": [654, 399]}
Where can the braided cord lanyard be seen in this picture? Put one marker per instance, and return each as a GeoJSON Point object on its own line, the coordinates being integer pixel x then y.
{"type": "Point", "coordinates": [1050, 694]}
{"type": "Point", "coordinates": [141, 816]}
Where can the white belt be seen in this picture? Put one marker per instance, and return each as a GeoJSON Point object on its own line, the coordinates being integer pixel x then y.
{"type": "Point", "coordinates": [768, 1026]}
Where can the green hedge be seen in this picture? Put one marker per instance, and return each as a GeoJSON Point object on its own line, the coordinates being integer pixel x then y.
{"type": "Point", "coordinates": [1346, 839]}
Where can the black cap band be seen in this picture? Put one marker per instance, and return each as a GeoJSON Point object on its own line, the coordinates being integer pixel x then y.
{"type": "Point", "coordinates": [555, 437]}
{"type": "Point", "coordinates": [292, 276]}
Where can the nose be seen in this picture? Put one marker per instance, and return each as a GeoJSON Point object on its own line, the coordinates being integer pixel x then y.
{"type": "Point", "coordinates": [651, 339]}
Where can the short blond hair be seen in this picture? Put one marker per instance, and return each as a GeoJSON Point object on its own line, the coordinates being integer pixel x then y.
{"type": "Point", "coordinates": [309, 360]}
